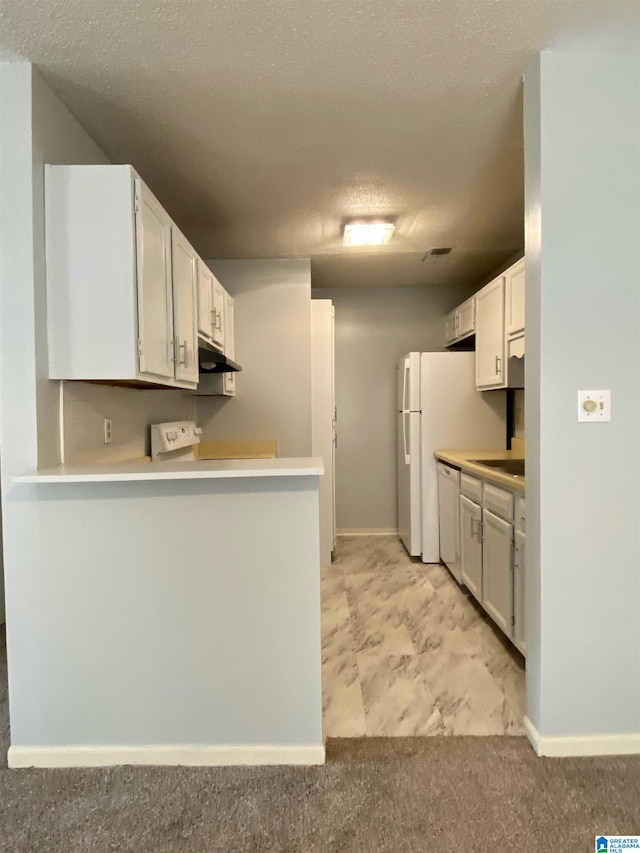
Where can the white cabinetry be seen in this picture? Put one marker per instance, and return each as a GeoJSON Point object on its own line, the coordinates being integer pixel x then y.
{"type": "Point", "coordinates": [205, 302]}
{"type": "Point", "coordinates": [184, 262]}
{"type": "Point", "coordinates": [519, 573]}
{"type": "Point", "coordinates": [497, 572]}
{"type": "Point", "coordinates": [153, 284]}
{"type": "Point", "coordinates": [222, 320]}
{"type": "Point", "coordinates": [514, 310]}
{"type": "Point", "coordinates": [229, 379]}
{"type": "Point", "coordinates": [449, 518]}
{"type": "Point", "coordinates": [115, 301]}
{"type": "Point", "coordinates": [218, 306]}
{"type": "Point", "coordinates": [471, 545]}
{"type": "Point", "coordinates": [460, 323]}
{"type": "Point", "coordinates": [492, 543]}
{"type": "Point", "coordinates": [450, 327]}
{"type": "Point", "coordinates": [490, 339]}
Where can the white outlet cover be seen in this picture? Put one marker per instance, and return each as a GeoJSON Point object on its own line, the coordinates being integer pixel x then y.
{"type": "Point", "coordinates": [602, 410]}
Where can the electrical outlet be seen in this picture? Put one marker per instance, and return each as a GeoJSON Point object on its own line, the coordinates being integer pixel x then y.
{"type": "Point", "coordinates": [106, 424]}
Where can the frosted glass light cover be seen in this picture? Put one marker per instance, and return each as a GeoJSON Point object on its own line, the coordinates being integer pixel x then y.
{"type": "Point", "coordinates": [367, 233]}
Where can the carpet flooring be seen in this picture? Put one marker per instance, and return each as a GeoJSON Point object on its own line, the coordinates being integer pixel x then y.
{"type": "Point", "coordinates": [374, 795]}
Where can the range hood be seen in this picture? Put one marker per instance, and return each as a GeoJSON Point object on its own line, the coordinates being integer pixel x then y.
{"type": "Point", "coordinates": [212, 360]}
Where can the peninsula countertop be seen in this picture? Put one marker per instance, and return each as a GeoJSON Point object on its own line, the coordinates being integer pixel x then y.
{"type": "Point", "coordinates": [466, 460]}
{"type": "Point", "coordinates": [140, 470]}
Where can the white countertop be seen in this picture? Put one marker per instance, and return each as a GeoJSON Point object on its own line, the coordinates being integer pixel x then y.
{"type": "Point", "coordinates": [188, 470]}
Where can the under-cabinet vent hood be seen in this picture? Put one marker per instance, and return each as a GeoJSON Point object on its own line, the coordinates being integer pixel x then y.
{"type": "Point", "coordinates": [213, 361]}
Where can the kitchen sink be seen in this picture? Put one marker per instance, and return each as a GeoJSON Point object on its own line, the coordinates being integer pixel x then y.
{"type": "Point", "coordinates": [513, 467]}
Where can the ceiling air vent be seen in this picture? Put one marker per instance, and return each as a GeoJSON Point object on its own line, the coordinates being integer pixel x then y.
{"type": "Point", "coordinates": [442, 250]}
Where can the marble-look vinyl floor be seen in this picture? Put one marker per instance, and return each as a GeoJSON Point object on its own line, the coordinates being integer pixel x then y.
{"type": "Point", "coordinates": [405, 651]}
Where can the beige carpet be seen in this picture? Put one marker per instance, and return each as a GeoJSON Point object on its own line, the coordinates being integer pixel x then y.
{"type": "Point", "coordinates": [411, 795]}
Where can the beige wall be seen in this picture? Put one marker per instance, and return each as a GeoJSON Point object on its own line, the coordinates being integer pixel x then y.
{"type": "Point", "coordinates": [518, 413]}
{"type": "Point", "coordinates": [375, 327]}
{"type": "Point", "coordinates": [273, 345]}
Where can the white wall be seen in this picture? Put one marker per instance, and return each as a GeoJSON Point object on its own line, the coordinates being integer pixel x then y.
{"type": "Point", "coordinates": [273, 345]}
{"type": "Point", "coordinates": [582, 144]}
{"type": "Point", "coordinates": [375, 327]}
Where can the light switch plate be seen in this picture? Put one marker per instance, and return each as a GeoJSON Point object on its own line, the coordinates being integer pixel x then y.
{"type": "Point", "coordinates": [594, 406]}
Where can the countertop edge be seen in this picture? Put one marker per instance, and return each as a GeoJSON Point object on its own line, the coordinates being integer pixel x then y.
{"type": "Point", "coordinates": [462, 459]}
{"type": "Point", "coordinates": [200, 470]}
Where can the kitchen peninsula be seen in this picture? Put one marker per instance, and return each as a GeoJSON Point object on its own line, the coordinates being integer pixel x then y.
{"type": "Point", "coordinates": [183, 617]}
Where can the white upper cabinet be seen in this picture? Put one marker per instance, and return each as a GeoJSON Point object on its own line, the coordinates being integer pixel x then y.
{"type": "Point", "coordinates": [450, 330]}
{"type": "Point", "coordinates": [490, 336]}
{"type": "Point", "coordinates": [153, 285]}
{"type": "Point", "coordinates": [461, 322]}
{"type": "Point", "coordinates": [205, 301]}
{"type": "Point", "coordinates": [514, 319]}
{"type": "Point", "coordinates": [120, 290]}
{"type": "Point", "coordinates": [466, 318]}
{"type": "Point", "coordinates": [185, 263]}
{"type": "Point", "coordinates": [229, 379]}
{"type": "Point", "coordinates": [514, 310]}
{"type": "Point", "coordinates": [218, 304]}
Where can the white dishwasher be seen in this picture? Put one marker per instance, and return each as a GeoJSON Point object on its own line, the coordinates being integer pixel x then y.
{"type": "Point", "coordinates": [449, 514]}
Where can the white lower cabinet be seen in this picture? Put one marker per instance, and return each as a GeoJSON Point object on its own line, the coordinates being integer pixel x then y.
{"type": "Point", "coordinates": [497, 570]}
{"type": "Point", "coordinates": [471, 545]}
{"type": "Point", "coordinates": [520, 540]}
{"type": "Point", "coordinates": [492, 549]}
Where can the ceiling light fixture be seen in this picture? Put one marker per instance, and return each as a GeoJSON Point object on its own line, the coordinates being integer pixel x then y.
{"type": "Point", "coordinates": [368, 232]}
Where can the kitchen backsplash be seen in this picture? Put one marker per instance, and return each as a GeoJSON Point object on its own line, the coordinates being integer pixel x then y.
{"type": "Point", "coordinates": [518, 414]}
{"type": "Point", "coordinates": [130, 410]}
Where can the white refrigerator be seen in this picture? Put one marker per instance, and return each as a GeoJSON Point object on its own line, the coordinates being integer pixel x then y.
{"type": "Point", "coordinates": [438, 408]}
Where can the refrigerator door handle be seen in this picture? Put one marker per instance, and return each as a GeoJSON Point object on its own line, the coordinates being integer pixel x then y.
{"type": "Point", "coordinates": [407, 456]}
{"type": "Point", "coordinates": [405, 385]}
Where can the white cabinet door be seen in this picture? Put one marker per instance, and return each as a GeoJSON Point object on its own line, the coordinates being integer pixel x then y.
{"type": "Point", "coordinates": [217, 332]}
{"type": "Point", "coordinates": [229, 381]}
{"type": "Point", "coordinates": [205, 301]}
{"type": "Point", "coordinates": [155, 306]}
{"type": "Point", "coordinates": [449, 518]}
{"type": "Point", "coordinates": [519, 562]}
{"type": "Point", "coordinates": [490, 336]}
{"type": "Point", "coordinates": [471, 546]}
{"type": "Point", "coordinates": [466, 318]}
{"type": "Point", "coordinates": [185, 308]}
{"type": "Point", "coordinates": [497, 571]}
{"type": "Point", "coordinates": [514, 311]}
{"type": "Point", "coordinates": [450, 326]}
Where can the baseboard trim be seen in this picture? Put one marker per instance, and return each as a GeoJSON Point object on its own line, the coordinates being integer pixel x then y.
{"type": "Point", "coordinates": [170, 755]}
{"type": "Point", "coordinates": [582, 745]}
{"type": "Point", "coordinates": [367, 531]}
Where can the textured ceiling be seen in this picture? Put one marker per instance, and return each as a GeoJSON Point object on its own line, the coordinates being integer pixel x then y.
{"type": "Point", "coordinates": [262, 124]}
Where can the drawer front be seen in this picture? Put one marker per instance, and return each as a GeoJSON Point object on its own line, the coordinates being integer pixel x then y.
{"type": "Point", "coordinates": [498, 501]}
{"type": "Point", "coordinates": [471, 487]}
{"type": "Point", "coordinates": [520, 515]}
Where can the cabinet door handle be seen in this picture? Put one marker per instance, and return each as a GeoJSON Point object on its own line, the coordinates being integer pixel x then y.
{"type": "Point", "coordinates": [498, 364]}
{"type": "Point", "coordinates": [218, 319]}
